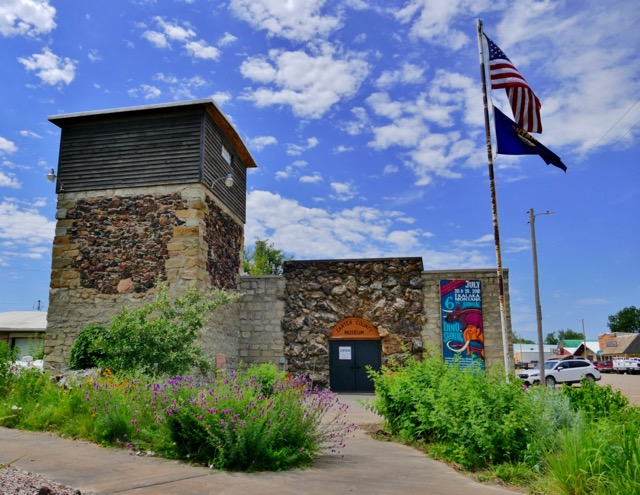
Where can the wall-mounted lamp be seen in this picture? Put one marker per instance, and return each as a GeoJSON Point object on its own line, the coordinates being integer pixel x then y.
{"type": "Point", "coordinates": [228, 180]}
{"type": "Point", "coordinates": [51, 177]}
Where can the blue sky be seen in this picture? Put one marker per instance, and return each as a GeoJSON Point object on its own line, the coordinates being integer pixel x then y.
{"type": "Point", "coordinates": [365, 119]}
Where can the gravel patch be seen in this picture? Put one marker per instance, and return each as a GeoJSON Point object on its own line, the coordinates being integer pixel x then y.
{"type": "Point", "coordinates": [14, 481]}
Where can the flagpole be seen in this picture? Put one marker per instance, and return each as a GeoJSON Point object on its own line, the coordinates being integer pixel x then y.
{"type": "Point", "coordinates": [494, 204]}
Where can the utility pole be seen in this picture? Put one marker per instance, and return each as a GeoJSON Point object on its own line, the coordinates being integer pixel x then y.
{"type": "Point", "coordinates": [536, 289]}
{"type": "Point", "coordinates": [584, 340]}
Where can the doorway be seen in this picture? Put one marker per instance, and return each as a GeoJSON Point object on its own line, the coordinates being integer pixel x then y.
{"type": "Point", "coordinates": [348, 361]}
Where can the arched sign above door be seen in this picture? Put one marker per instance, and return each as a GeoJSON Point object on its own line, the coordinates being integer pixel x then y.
{"type": "Point", "coordinates": [354, 329]}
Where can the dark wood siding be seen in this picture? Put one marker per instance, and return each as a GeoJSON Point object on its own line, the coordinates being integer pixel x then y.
{"type": "Point", "coordinates": [216, 167]}
{"type": "Point", "coordinates": [131, 150]}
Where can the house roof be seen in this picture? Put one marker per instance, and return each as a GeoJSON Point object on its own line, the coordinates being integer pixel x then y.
{"type": "Point", "coordinates": [23, 321]}
{"type": "Point", "coordinates": [625, 344]}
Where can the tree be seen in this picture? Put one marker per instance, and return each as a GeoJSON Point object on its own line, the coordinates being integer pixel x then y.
{"type": "Point", "coordinates": [567, 334]}
{"type": "Point", "coordinates": [625, 320]}
{"type": "Point", "coordinates": [263, 259]}
{"type": "Point", "coordinates": [521, 340]}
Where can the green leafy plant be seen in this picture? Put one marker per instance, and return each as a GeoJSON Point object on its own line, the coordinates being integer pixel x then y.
{"type": "Point", "coordinates": [161, 337]}
{"type": "Point", "coordinates": [595, 401]}
{"type": "Point", "coordinates": [477, 418]}
{"type": "Point", "coordinates": [263, 259]}
{"type": "Point", "coordinates": [88, 348]}
{"type": "Point", "coordinates": [7, 357]}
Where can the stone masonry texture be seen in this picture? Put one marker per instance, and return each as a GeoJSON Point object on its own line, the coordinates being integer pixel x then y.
{"type": "Point", "coordinates": [111, 249]}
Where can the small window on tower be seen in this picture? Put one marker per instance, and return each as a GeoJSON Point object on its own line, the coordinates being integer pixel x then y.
{"type": "Point", "coordinates": [226, 155]}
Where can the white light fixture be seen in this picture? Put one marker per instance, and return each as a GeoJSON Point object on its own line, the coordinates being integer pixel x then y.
{"type": "Point", "coordinates": [51, 177]}
{"type": "Point", "coordinates": [228, 181]}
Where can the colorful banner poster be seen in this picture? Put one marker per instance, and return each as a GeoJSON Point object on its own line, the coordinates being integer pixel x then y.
{"type": "Point", "coordinates": [462, 328]}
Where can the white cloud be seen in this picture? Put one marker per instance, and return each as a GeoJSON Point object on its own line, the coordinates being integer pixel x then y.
{"type": "Point", "coordinates": [342, 149]}
{"type": "Point", "coordinates": [412, 124]}
{"type": "Point", "coordinates": [311, 179]}
{"type": "Point", "coordinates": [94, 56]}
{"type": "Point", "coordinates": [298, 149]}
{"type": "Point", "coordinates": [357, 126]}
{"type": "Point", "coordinates": [25, 229]}
{"type": "Point", "coordinates": [50, 68]}
{"type": "Point", "coordinates": [25, 133]}
{"type": "Point", "coordinates": [360, 232]}
{"type": "Point", "coordinates": [174, 31]}
{"type": "Point", "coordinates": [200, 49]}
{"type": "Point", "coordinates": [343, 191]}
{"type": "Point", "coordinates": [157, 39]}
{"type": "Point", "coordinates": [433, 21]}
{"type": "Point", "coordinates": [407, 74]}
{"type": "Point", "coordinates": [7, 146]}
{"type": "Point", "coordinates": [145, 91]}
{"type": "Point", "coordinates": [9, 180]}
{"type": "Point", "coordinates": [390, 169]}
{"type": "Point", "coordinates": [180, 88]}
{"type": "Point", "coordinates": [26, 17]}
{"type": "Point", "coordinates": [260, 142]}
{"type": "Point", "coordinates": [299, 21]}
{"type": "Point", "coordinates": [226, 39]}
{"type": "Point", "coordinates": [183, 34]}
{"type": "Point", "coordinates": [221, 97]}
{"type": "Point", "coordinates": [309, 84]}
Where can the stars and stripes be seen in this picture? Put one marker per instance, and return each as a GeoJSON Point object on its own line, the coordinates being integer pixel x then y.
{"type": "Point", "coordinates": [524, 103]}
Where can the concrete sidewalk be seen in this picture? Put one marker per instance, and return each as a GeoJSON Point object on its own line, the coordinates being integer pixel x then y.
{"type": "Point", "coordinates": [366, 466]}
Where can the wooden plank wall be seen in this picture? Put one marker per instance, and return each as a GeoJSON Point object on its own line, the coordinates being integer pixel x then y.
{"type": "Point", "coordinates": [130, 151]}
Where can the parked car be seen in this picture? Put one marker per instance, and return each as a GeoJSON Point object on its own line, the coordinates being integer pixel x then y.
{"type": "Point", "coordinates": [626, 365]}
{"type": "Point", "coordinates": [564, 371]}
{"type": "Point", "coordinates": [604, 366]}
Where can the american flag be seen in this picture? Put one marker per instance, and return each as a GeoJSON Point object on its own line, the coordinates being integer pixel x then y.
{"type": "Point", "coordinates": [524, 103]}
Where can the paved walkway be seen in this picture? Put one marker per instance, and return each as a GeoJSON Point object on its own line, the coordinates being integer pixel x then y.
{"type": "Point", "coordinates": [367, 466]}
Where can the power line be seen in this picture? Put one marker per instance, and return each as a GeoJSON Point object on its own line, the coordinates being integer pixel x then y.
{"type": "Point", "coordinates": [611, 128]}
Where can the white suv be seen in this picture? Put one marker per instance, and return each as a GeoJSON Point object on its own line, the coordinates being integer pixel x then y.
{"type": "Point", "coordinates": [564, 371]}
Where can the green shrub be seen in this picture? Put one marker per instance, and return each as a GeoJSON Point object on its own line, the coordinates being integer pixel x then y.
{"type": "Point", "coordinates": [548, 413]}
{"type": "Point", "coordinates": [235, 426]}
{"type": "Point", "coordinates": [477, 417]}
{"type": "Point", "coordinates": [595, 401]}
{"type": "Point", "coordinates": [7, 357]}
{"type": "Point", "coordinates": [84, 353]}
{"type": "Point", "coordinates": [161, 337]}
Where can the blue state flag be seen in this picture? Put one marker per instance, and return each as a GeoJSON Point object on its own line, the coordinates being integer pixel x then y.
{"type": "Point", "coordinates": [514, 140]}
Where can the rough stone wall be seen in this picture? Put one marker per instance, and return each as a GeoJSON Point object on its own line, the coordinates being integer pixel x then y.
{"type": "Point", "coordinates": [120, 240]}
{"type": "Point", "coordinates": [112, 247]}
{"type": "Point", "coordinates": [386, 292]}
{"type": "Point", "coordinates": [261, 312]}
{"type": "Point", "coordinates": [432, 331]}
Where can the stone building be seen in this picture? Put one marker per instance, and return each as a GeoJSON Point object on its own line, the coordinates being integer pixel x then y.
{"type": "Point", "coordinates": [158, 194]}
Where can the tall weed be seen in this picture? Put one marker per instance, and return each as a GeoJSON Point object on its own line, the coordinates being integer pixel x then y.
{"type": "Point", "coordinates": [598, 458]}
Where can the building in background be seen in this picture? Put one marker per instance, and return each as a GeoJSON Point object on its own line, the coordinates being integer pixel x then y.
{"type": "Point", "coordinates": [24, 331]}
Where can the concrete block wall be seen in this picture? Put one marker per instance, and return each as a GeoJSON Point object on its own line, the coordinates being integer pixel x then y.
{"type": "Point", "coordinates": [261, 310]}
